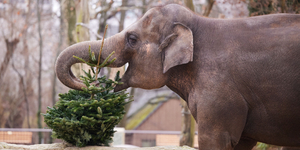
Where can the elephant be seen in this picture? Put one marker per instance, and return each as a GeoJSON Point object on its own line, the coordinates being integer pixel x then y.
{"type": "Point", "coordinates": [239, 77]}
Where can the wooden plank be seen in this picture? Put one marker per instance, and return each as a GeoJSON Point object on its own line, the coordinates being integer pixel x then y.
{"type": "Point", "coordinates": [16, 137]}
{"type": "Point", "coordinates": [165, 140]}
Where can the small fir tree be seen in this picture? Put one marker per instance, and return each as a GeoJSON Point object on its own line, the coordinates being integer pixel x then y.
{"type": "Point", "coordinates": [88, 117]}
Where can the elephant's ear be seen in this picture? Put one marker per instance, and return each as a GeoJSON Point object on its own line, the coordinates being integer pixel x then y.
{"type": "Point", "coordinates": [177, 48]}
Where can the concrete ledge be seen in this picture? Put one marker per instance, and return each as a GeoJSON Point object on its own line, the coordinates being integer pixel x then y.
{"type": "Point", "coordinates": [64, 146]}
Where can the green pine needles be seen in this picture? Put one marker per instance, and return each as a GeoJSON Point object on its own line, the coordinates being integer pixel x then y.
{"type": "Point", "coordinates": [88, 117]}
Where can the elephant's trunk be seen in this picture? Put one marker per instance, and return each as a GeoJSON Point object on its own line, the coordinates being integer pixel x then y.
{"type": "Point", "coordinates": [65, 60]}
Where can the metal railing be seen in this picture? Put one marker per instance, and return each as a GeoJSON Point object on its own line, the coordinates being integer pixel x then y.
{"type": "Point", "coordinates": [126, 131]}
{"type": "Point", "coordinates": [25, 130]}
{"type": "Point", "coordinates": [138, 138]}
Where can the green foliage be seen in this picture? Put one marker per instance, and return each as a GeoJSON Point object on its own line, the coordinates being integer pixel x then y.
{"type": "Point", "coordinates": [88, 117]}
{"type": "Point", "coordinates": [93, 62]}
{"type": "Point", "coordinates": [262, 146]}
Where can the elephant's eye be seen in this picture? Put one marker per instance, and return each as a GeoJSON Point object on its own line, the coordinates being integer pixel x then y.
{"type": "Point", "coordinates": [132, 39]}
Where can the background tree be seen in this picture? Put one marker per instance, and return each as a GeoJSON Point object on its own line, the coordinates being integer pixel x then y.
{"type": "Point", "coordinates": [263, 7]}
{"type": "Point", "coordinates": [82, 33]}
{"type": "Point", "coordinates": [39, 121]}
{"type": "Point", "coordinates": [69, 19]}
{"type": "Point", "coordinates": [19, 87]}
{"type": "Point", "coordinates": [11, 38]}
{"type": "Point", "coordinates": [208, 8]}
{"type": "Point", "coordinates": [105, 7]}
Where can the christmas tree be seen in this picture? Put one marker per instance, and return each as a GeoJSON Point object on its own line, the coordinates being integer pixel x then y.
{"type": "Point", "coordinates": [88, 117]}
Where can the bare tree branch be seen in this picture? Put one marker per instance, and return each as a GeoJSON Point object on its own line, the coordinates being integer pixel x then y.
{"type": "Point", "coordinates": [283, 6]}
{"type": "Point", "coordinates": [10, 49]}
{"type": "Point", "coordinates": [105, 9]}
{"type": "Point", "coordinates": [87, 26]}
{"type": "Point", "coordinates": [24, 92]}
{"type": "Point", "coordinates": [189, 4]}
{"type": "Point", "coordinates": [116, 10]}
{"type": "Point", "coordinates": [39, 121]}
{"type": "Point", "coordinates": [209, 7]}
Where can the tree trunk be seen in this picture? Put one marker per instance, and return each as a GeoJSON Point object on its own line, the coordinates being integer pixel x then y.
{"type": "Point", "coordinates": [82, 34]}
{"type": "Point", "coordinates": [10, 49]}
{"type": "Point", "coordinates": [188, 126]}
{"type": "Point", "coordinates": [189, 4]}
{"type": "Point", "coordinates": [144, 9]}
{"type": "Point", "coordinates": [102, 19]}
{"type": "Point", "coordinates": [69, 16]}
{"type": "Point", "coordinates": [123, 14]}
{"type": "Point", "coordinates": [26, 78]}
{"type": "Point", "coordinates": [283, 6]}
{"type": "Point", "coordinates": [210, 4]}
{"type": "Point", "coordinates": [83, 16]}
{"type": "Point", "coordinates": [17, 115]}
{"type": "Point", "coordinates": [39, 121]}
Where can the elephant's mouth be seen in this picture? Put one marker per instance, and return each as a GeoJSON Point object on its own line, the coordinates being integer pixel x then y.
{"type": "Point", "coordinates": [121, 87]}
{"type": "Point", "coordinates": [125, 79]}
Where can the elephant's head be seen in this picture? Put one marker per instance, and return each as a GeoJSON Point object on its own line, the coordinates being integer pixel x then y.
{"type": "Point", "coordinates": [154, 44]}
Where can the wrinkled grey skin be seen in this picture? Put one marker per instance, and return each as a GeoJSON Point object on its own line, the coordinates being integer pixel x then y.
{"type": "Point", "coordinates": [240, 77]}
